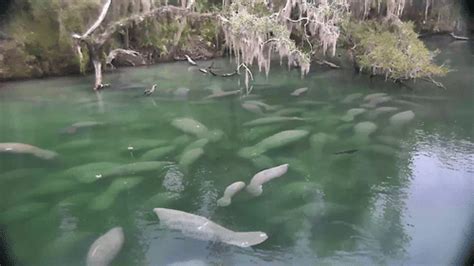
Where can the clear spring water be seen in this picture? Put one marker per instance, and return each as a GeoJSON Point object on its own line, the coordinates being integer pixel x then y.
{"type": "Point", "coordinates": [409, 200]}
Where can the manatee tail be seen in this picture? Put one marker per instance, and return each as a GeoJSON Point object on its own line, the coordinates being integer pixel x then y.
{"type": "Point", "coordinates": [246, 239]}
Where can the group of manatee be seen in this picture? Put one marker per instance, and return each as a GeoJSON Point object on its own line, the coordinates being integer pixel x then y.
{"type": "Point", "coordinates": [123, 177]}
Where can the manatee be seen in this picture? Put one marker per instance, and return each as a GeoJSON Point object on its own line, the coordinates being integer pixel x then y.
{"type": "Point", "coordinates": [299, 91]}
{"type": "Point", "coordinates": [181, 93]}
{"type": "Point", "coordinates": [198, 227]}
{"type": "Point", "coordinates": [158, 153]}
{"type": "Point", "coordinates": [66, 244]}
{"type": "Point", "coordinates": [230, 192]}
{"type": "Point", "coordinates": [180, 141]}
{"type": "Point", "coordinates": [134, 168]}
{"type": "Point", "coordinates": [262, 177]}
{"type": "Point", "coordinates": [311, 103]}
{"type": "Point", "coordinates": [289, 111]}
{"type": "Point", "coordinates": [281, 139]}
{"type": "Point", "coordinates": [76, 144]}
{"type": "Point", "coordinates": [22, 212]}
{"type": "Point", "coordinates": [297, 165]}
{"type": "Point", "coordinates": [275, 141]}
{"type": "Point", "coordinates": [77, 199]}
{"type": "Point", "coordinates": [319, 140]}
{"type": "Point", "coordinates": [107, 198]}
{"type": "Point", "coordinates": [214, 135]}
{"type": "Point", "coordinates": [265, 106]}
{"type": "Point", "coordinates": [222, 94]}
{"type": "Point", "coordinates": [20, 174]}
{"type": "Point", "coordinates": [190, 126]}
{"type": "Point", "coordinates": [162, 199]}
{"type": "Point", "coordinates": [271, 120]}
{"type": "Point", "coordinates": [144, 144]}
{"type": "Point", "coordinates": [352, 113]}
{"type": "Point", "coordinates": [89, 173]}
{"type": "Point", "coordinates": [381, 110]}
{"type": "Point", "coordinates": [22, 148]}
{"type": "Point", "coordinates": [214, 88]}
{"type": "Point", "coordinates": [344, 127]}
{"type": "Point", "coordinates": [262, 161]}
{"type": "Point", "coordinates": [401, 118]}
{"type": "Point", "coordinates": [386, 109]}
{"type": "Point", "coordinates": [81, 125]}
{"type": "Point", "coordinates": [364, 129]}
{"type": "Point", "coordinates": [351, 97]}
{"type": "Point", "coordinates": [299, 191]}
{"type": "Point", "coordinates": [189, 157]}
{"type": "Point", "coordinates": [200, 143]}
{"type": "Point", "coordinates": [255, 133]}
{"type": "Point", "coordinates": [372, 96]}
{"type": "Point", "coordinates": [103, 251]}
{"type": "Point", "coordinates": [252, 108]}
{"type": "Point", "coordinates": [53, 187]}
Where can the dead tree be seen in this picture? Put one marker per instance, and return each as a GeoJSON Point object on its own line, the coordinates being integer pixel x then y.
{"type": "Point", "coordinates": [94, 39]}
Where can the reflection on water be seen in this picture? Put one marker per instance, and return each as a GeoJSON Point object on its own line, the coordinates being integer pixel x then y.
{"type": "Point", "coordinates": [361, 187]}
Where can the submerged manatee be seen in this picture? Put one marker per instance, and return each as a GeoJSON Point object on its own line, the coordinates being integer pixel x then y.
{"type": "Point", "coordinates": [276, 141]}
{"type": "Point", "coordinates": [81, 125]}
{"type": "Point", "coordinates": [402, 118]}
{"type": "Point", "coordinates": [22, 148]}
{"type": "Point", "coordinates": [372, 96]}
{"type": "Point", "coordinates": [162, 199]}
{"type": "Point", "coordinates": [222, 94]}
{"type": "Point", "coordinates": [365, 129]}
{"type": "Point", "coordinates": [144, 144]}
{"type": "Point", "coordinates": [381, 110]}
{"type": "Point", "coordinates": [200, 143]}
{"type": "Point", "coordinates": [134, 168]}
{"type": "Point", "coordinates": [201, 228]}
{"type": "Point", "coordinates": [257, 181]}
{"type": "Point", "coordinates": [158, 153]}
{"type": "Point", "coordinates": [229, 192]}
{"type": "Point", "coordinates": [53, 187]}
{"type": "Point", "coordinates": [252, 108]}
{"type": "Point", "coordinates": [190, 156]}
{"type": "Point", "coordinates": [319, 140]}
{"type": "Point", "coordinates": [289, 111]}
{"type": "Point", "coordinates": [372, 103]}
{"type": "Point", "coordinates": [190, 126]}
{"type": "Point", "coordinates": [271, 120]}
{"type": "Point", "coordinates": [107, 198]}
{"type": "Point", "coordinates": [352, 113]}
{"type": "Point", "coordinates": [196, 128]}
{"type": "Point", "coordinates": [22, 212]}
{"type": "Point", "coordinates": [262, 162]}
{"type": "Point", "coordinates": [282, 139]}
{"type": "Point", "coordinates": [265, 106]}
{"type": "Point", "coordinates": [103, 251]}
{"type": "Point", "coordinates": [89, 173]}
{"type": "Point", "coordinates": [299, 91]}
{"type": "Point", "coordinates": [351, 97]}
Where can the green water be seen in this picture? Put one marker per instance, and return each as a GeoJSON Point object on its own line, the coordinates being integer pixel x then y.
{"type": "Point", "coordinates": [404, 196]}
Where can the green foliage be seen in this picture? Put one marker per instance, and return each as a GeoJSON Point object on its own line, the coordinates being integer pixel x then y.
{"type": "Point", "coordinates": [392, 49]}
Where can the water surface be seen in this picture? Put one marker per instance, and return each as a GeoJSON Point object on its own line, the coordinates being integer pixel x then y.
{"type": "Point", "coordinates": [404, 195]}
